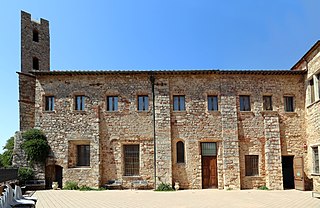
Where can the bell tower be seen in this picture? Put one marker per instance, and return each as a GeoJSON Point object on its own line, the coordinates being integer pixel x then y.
{"type": "Point", "coordinates": [35, 44]}
{"type": "Point", "coordinates": [35, 56]}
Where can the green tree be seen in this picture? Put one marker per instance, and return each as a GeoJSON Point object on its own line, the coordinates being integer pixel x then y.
{"type": "Point", "coordinates": [35, 145]}
{"type": "Point", "coordinates": [6, 156]}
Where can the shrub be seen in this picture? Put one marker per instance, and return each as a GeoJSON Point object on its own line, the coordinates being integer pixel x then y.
{"type": "Point", "coordinates": [71, 185]}
{"type": "Point", "coordinates": [35, 145]}
{"type": "Point", "coordinates": [25, 174]}
{"type": "Point", "coordinates": [263, 188]}
{"type": "Point", "coordinates": [164, 187]}
{"type": "Point", "coordinates": [86, 188]}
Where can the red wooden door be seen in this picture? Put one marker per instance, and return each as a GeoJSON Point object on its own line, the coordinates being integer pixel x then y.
{"type": "Point", "coordinates": [209, 172]}
{"type": "Point", "coordinates": [298, 173]}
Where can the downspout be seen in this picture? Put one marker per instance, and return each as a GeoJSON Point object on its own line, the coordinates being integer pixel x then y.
{"type": "Point", "coordinates": [152, 79]}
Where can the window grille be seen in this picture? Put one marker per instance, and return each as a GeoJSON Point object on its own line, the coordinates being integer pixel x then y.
{"type": "Point", "coordinates": [315, 151]}
{"type": "Point", "coordinates": [208, 149]}
{"type": "Point", "coordinates": [83, 155]}
{"type": "Point", "coordinates": [251, 163]}
{"type": "Point", "coordinates": [131, 160]}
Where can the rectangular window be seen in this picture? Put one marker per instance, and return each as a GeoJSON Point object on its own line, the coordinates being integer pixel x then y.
{"type": "Point", "coordinates": [311, 87]}
{"type": "Point", "coordinates": [143, 103]}
{"type": "Point", "coordinates": [245, 103]}
{"type": "Point", "coordinates": [79, 102]}
{"type": "Point", "coordinates": [83, 155]}
{"type": "Point", "coordinates": [315, 152]}
{"type": "Point", "coordinates": [288, 104]}
{"type": "Point", "coordinates": [112, 103]}
{"type": "Point", "coordinates": [179, 103]}
{"type": "Point", "coordinates": [212, 103]}
{"type": "Point", "coordinates": [131, 160]}
{"type": "Point", "coordinates": [267, 103]}
{"type": "Point", "coordinates": [208, 149]}
{"type": "Point", "coordinates": [252, 165]}
{"type": "Point", "coordinates": [49, 103]}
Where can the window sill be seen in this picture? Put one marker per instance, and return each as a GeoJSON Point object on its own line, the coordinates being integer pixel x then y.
{"type": "Point", "coordinates": [45, 111]}
{"type": "Point", "coordinates": [315, 174]}
{"type": "Point", "coordinates": [313, 103]}
{"type": "Point", "coordinates": [131, 177]}
{"type": "Point", "coordinates": [181, 163]}
{"type": "Point", "coordinates": [179, 112]}
{"type": "Point", "coordinates": [81, 167]}
{"type": "Point", "coordinates": [256, 176]}
{"type": "Point", "coordinates": [80, 111]}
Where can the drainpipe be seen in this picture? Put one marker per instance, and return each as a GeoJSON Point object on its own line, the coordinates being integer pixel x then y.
{"type": "Point", "coordinates": [152, 79]}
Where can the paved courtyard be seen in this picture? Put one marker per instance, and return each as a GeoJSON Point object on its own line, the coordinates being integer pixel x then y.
{"type": "Point", "coordinates": [180, 199]}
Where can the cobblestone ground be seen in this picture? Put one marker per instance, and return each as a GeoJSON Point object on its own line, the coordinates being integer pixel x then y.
{"type": "Point", "coordinates": [179, 199]}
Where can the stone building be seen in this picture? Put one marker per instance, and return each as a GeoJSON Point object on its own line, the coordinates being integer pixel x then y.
{"type": "Point", "coordinates": [224, 129]}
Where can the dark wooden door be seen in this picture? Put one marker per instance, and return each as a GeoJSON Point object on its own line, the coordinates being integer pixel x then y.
{"type": "Point", "coordinates": [209, 172]}
{"type": "Point", "coordinates": [298, 173]}
{"type": "Point", "coordinates": [58, 177]}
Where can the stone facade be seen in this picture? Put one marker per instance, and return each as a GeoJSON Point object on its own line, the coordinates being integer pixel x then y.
{"type": "Point", "coordinates": [269, 135]}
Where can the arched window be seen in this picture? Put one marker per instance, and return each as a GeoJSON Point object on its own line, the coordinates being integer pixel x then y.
{"type": "Point", "coordinates": [35, 63]}
{"type": "Point", "coordinates": [35, 36]}
{"type": "Point", "coordinates": [180, 152]}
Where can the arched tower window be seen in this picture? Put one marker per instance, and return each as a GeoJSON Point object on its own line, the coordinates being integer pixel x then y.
{"type": "Point", "coordinates": [35, 63]}
{"type": "Point", "coordinates": [180, 152]}
{"type": "Point", "coordinates": [35, 36]}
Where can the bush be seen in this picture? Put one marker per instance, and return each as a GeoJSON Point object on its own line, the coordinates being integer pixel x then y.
{"type": "Point", "coordinates": [263, 188]}
{"type": "Point", "coordinates": [86, 188]}
{"type": "Point", "coordinates": [35, 145]}
{"type": "Point", "coordinates": [25, 174]}
{"type": "Point", "coordinates": [164, 187]}
{"type": "Point", "coordinates": [71, 185]}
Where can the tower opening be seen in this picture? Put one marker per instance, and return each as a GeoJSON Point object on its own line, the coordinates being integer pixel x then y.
{"type": "Point", "coordinates": [35, 63]}
{"type": "Point", "coordinates": [35, 36]}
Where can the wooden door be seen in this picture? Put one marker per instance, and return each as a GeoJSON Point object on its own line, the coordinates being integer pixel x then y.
{"type": "Point", "coordinates": [298, 173]}
{"type": "Point", "coordinates": [209, 172]}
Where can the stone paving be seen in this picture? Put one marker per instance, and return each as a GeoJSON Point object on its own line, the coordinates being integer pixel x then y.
{"type": "Point", "coordinates": [179, 199]}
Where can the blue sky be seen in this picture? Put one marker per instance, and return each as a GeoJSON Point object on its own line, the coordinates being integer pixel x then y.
{"type": "Point", "coordinates": [157, 34]}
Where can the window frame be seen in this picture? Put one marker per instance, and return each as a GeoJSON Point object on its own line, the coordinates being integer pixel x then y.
{"type": "Point", "coordinates": [315, 158]}
{"type": "Point", "coordinates": [112, 103]}
{"type": "Point", "coordinates": [79, 106]}
{"type": "Point", "coordinates": [180, 152]}
{"type": "Point", "coordinates": [251, 165]}
{"type": "Point", "coordinates": [288, 108]}
{"type": "Point", "coordinates": [35, 36]}
{"type": "Point", "coordinates": [35, 63]}
{"type": "Point", "coordinates": [179, 103]}
{"type": "Point", "coordinates": [212, 103]}
{"type": "Point", "coordinates": [131, 162]}
{"type": "Point", "coordinates": [244, 105]}
{"type": "Point", "coordinates": [145, 103]}
{"type": "Point", "coordinates": [267, 104]}
{"type": "Point", "coordinates": [83, 155]}
{"type": "Point", "coordinates": [49, 103]}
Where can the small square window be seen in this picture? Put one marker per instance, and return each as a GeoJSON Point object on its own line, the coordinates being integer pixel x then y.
{"type": "Point", "coordinates": [143, 103]}
{"type": "Point", "coordinates": [112, 103]}
{"type": "Point", "coordinates": [245, 103]}
{"type": "Point", "coordinates": [267, 103]}
{"type": "Point", "coordinates": [288, 104]}
{"type": "Point", "coordinates": [49, 103]}
{"type": "Point", "coordinates": [83, 155]}
{"type": "Point", "coordinates": [212, 103]}
{"type": "Point", "coordinates": [79, 102]}
{"type": "Point", "coordinates": [252, 165]}
{"type": "Point", "coordinates": [179, 103]}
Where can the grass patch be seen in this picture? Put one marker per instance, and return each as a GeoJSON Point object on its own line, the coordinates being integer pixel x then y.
{"type": "Point", "coordinates": [164, 187]}
{"type": "Point", "coordinates": [263, 188]}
